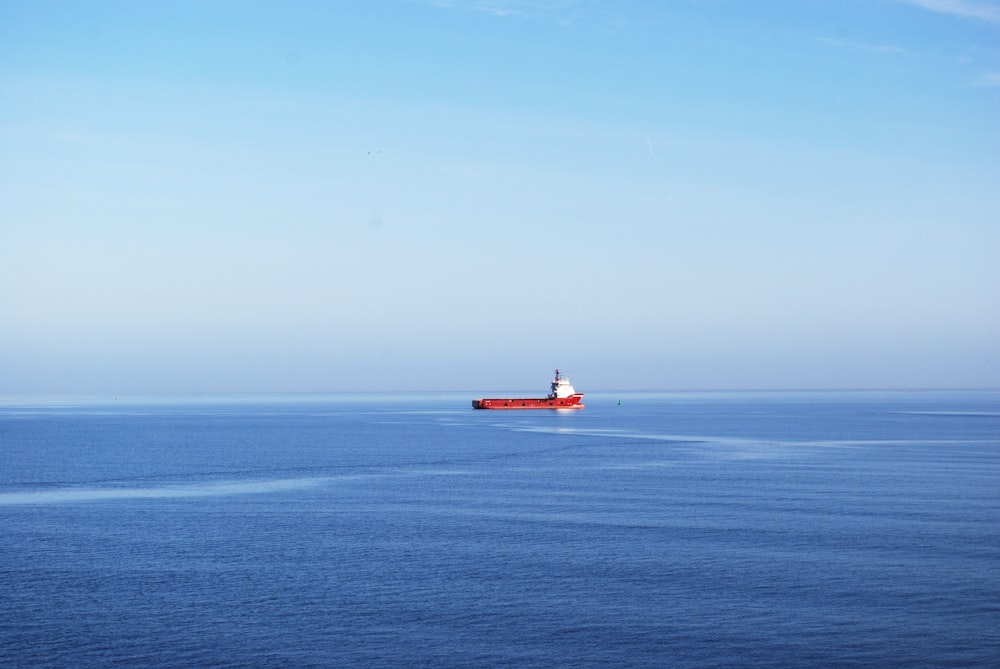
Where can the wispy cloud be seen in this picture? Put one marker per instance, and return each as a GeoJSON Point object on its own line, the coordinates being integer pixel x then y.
{"type": "Point", "coordinates": [503, 7]}
{"type": "Point", "coordinates": [988, 80]}
{"type": "Point", "coordinates": [982, 10]}
{"type": "Point", "coordinates": [858, 46]}
{"type": "Point", "coordinates": [499, 8]}
{"type": "Point", "coordinates": [560, 12]}
{"type": "Point", "coordinates": [496, 7]}
{"type": "Point", "coordinates": [649, 144]}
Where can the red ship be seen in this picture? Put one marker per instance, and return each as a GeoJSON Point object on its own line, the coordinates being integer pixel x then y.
{"type": "Point", "coordinates": [563, 396]}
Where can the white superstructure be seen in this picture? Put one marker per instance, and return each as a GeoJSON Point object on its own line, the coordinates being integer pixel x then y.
{"type": "Point", "coordinates": [561, 387]}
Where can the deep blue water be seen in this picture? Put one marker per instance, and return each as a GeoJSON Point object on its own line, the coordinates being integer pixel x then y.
{"type": "Point", "coordinates": [674, 529]}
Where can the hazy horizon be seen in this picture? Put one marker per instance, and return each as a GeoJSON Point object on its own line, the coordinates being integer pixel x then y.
{"type": "Point", "coordinates": [398, 195]}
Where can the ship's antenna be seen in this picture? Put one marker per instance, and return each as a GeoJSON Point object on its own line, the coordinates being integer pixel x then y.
{"type": "Point", "coordinates": [557, 375]}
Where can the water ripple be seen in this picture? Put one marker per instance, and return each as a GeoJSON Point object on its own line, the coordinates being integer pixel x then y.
{"type": "Point", "coordinates": [215, 489]}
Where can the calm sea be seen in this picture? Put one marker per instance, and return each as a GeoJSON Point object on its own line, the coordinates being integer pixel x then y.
{"type": "Point", "coordinates": [667, 530]}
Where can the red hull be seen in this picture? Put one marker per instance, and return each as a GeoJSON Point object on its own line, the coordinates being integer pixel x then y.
{"type": "Point", "coordinates": [571, 402]}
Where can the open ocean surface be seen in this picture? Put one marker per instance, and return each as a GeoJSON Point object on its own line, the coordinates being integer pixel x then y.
{"type": "Point", "coordinates": [851, 529]}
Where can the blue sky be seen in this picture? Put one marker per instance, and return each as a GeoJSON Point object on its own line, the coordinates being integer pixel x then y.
{"type": "Point", "coordinates": [464, 194]}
